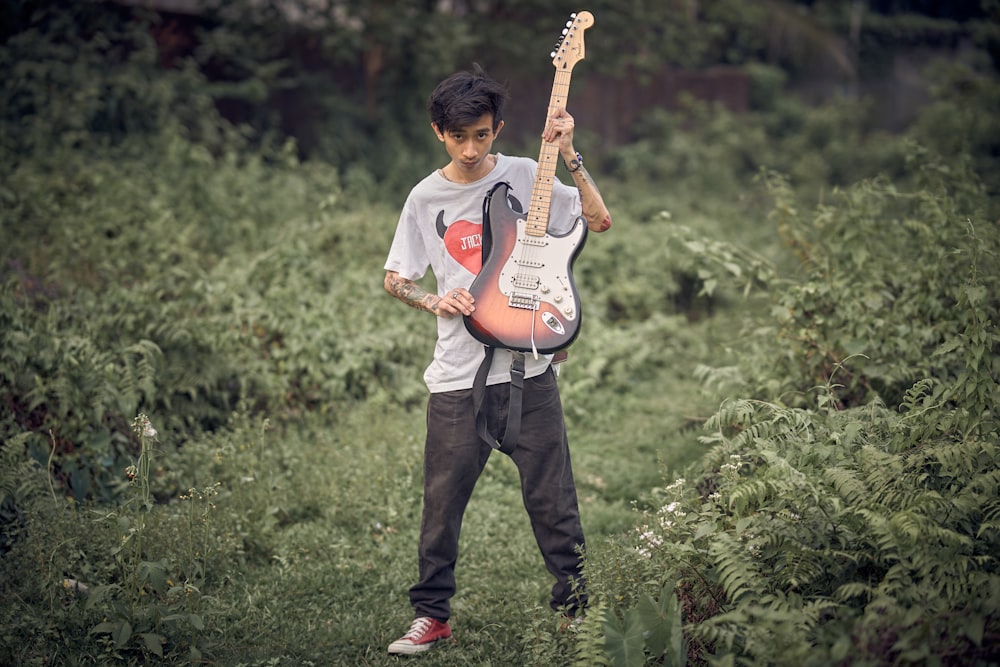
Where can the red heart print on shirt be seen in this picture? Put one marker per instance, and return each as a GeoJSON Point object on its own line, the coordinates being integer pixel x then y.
{"type": "Point", "coordinates": [464, 242]}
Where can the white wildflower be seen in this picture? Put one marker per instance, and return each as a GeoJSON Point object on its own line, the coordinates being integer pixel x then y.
{"type": "Point", "coordinates": [648, 541]}
{"type": "Point", "coordinates": [143, 427]}
{"type": "Point", "coordinates": [677, 483]}
{"type": "Point", "coordinates": [669, 513]}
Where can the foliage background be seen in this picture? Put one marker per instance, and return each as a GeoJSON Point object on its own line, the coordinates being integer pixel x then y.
{"type": "Point", "coordinates": [782, 408]}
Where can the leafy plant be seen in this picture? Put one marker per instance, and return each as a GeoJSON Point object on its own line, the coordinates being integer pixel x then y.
{"type": "Point", "coordinates": [649, 631]}
{"type": "Point", "coordinates": [146, 612]}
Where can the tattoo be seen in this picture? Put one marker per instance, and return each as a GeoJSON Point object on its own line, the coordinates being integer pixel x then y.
{"type": "Point", "coordinates": [585, 179]}
{"type": "Point", "coordinates": [412, 294]}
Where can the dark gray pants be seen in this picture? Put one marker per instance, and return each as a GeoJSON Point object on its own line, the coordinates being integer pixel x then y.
{"type": "Point", "coordinates": [454, 457]}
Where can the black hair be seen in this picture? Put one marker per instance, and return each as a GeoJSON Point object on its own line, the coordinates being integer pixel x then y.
{"type": "Point", "coordinates": [464, 97]}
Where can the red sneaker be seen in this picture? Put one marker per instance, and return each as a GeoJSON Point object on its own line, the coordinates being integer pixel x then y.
{"type": "Point", "coordinates": [423, 634]}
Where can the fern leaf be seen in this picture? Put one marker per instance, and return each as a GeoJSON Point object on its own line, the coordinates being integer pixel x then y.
{"type": "Point", "coordinates": [851, 590]}
{"type": "Point", "coordinates": [737, 574]}
{"type": "Point", "coordinates": [846, 484]}
{"type": "Point", "coordinates": [748, 494]}
{"type": "Point", "coordinates": [589, 647]}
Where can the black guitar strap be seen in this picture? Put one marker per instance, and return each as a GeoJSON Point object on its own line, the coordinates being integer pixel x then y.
{"type": "Point", "coordinates": [513, 430]}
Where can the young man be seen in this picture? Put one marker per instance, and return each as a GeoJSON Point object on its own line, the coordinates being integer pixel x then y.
{"type": "Point", "coordinates": [441, 227]}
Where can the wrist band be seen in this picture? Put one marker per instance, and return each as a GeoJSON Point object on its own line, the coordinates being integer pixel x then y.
{"type": "Point", "coordinates": [574, 165]}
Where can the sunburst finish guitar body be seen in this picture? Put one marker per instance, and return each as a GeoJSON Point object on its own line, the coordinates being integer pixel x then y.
{"type": "Point", "coordinates": [526, 297]}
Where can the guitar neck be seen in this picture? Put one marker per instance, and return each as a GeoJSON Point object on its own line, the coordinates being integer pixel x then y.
{"type": "Point", "coordinates": [548, 159]}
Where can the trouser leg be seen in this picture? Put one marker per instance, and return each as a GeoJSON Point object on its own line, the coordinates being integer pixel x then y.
{"type": "Point", "coordinates": [543, 460]}
{"type": "Point", "coordinates": [454, 457]}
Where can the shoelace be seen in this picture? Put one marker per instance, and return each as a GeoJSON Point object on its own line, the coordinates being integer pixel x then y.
{"type": "Point", "coordinates": [419, 627]}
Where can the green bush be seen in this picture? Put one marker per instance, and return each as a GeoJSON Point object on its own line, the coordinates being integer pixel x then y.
{"type": "Point", "coordinates": [884, 270]}
{"type": "Point", "coordinates": [824, 535]}
{"type": "Point", "coordinates": [847, 511]}
{"type": "Point", "coordinates": [196, 285]}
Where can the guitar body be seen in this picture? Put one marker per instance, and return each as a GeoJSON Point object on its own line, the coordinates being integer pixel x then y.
{"type": "Point", "coordinates": [526, 297]}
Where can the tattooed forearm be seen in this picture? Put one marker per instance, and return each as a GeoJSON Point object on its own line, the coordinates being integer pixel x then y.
{"type": "Point", "coordinates": [594, 210]}
{"type": "Point", "coordinates": [411, 293]}
{"type": "Point", "coordinates": [581, 177]}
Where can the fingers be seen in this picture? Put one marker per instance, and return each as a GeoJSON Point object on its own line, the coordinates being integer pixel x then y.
{"type": "Point", "coordinates": [559, 126]}
{"type": "Point", "coordinates": [557, 129]}
{"type": "Point", "coordinates": [561, 114]}
{"type": "Point", "coordinates": [458, 302]}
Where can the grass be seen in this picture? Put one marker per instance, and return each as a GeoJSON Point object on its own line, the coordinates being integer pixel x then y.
{"type": "Point", "coordinates": [310, 544]}
{"type": "Point", "coordinates": [334, 591]}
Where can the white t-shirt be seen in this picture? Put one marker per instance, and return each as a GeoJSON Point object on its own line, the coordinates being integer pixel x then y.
{"type": "Point", "coordinates": [441, 227]}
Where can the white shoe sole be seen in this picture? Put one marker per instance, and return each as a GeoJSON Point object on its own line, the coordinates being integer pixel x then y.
{"type": "Point", "coordinates": [409, 648]}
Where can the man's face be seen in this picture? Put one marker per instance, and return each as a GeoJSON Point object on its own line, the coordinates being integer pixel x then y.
{"type": "Point", "coordinates": [468, 146]}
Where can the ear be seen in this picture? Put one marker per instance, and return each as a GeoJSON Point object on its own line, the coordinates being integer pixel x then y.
{"type": "Point", "coordinates": [438, 132]}
{"type": "Point", "coordinates": [496, 132]}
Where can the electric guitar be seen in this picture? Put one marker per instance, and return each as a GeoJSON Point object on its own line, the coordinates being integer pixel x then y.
{"type": "Point", "coordinates": [526, 298]}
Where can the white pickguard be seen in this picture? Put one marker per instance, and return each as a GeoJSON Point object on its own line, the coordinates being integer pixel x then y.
{"type": "Point", "coordinates": [537, 271]}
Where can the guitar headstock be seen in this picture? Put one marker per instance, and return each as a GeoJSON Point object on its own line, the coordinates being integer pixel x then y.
{"type": "Point", "coordinates": [570, 48]}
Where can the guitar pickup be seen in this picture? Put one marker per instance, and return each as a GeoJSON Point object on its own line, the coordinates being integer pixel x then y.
{"type": "Point", "coordinates": [536, 242]}
{"type": "Point", "coordinates": [524, 281]}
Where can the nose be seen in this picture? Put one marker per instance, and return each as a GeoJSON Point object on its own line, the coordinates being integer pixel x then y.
{"type": "Point", "coordinates": [469, 149]}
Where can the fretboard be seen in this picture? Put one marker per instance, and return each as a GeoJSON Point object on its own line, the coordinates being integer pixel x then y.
{"type": "Point", "coordinates": [548, 157]}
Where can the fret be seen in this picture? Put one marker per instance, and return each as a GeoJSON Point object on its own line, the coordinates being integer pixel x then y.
{"type": "Point", "coordinates": [548, 160]}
